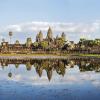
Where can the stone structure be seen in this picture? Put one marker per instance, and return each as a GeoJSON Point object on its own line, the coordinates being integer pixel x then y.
{"type": "Point", "coordinates": [28, 42]}
{"type": "Point", "coordinates": [42, 43]}
{"type": "Point", "coordinates": [39, 37]}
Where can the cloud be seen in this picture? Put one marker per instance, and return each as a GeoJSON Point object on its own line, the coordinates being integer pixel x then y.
{"type": "Point", "coordinates": [56, 26]}
{"type": "Point", "coordinates": [74, 31]}
{"type": "Point", "coordinates": [16, 28]}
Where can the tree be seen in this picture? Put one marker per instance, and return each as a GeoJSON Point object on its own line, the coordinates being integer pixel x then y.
{"type": "Point", "coordinates": [10, 74]}
{"type": "Point", "coordinates": [97, 42]}
{"type": "Point", "coordinates": [10, 35]}
{"type": "Point", "coordinates": [82, 39]}
{"type": "Point", "coordinates": [60, 42]}
{"type": "Point", "coordinates": [16, 65]}
{"type": "Point", "coordinates": [17, 42]}
{"type": "Point", "coordinates": [28, 66]}
{"type": "Point", "coordinates": [35, 44]}
{"type": "Point", "coordinates": [44, 44]}
{"type": "Point", "coordinates": [3, 40]}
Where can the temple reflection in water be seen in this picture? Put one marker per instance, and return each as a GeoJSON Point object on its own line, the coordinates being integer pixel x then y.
{"type": "Point", "coordinates": [50, 65]}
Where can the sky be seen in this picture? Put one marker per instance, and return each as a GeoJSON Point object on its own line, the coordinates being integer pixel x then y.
{"type": "Point", "coordinates": [77, 18]}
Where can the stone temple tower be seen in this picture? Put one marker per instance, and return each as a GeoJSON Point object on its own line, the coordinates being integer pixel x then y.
{"type": "Point", "coordinates": [28, 42]}
{"type": "Point", "coordinates": [63, 36]}
{"type": "Point", "coordinates": [49, 34]}
{"type": "Point", "coordinates": [39, 37]}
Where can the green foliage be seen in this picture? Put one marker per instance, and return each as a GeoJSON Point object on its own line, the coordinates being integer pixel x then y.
{"type": "Point", "coordinates": [90, 43]}
{"type": "Point", "coordinates": [16, 65]}
{"type": "Point", "coordinates": [82, 39]}
{"type": "Point", "coordinates": [97, 42]}
{"type": "Point", "coordinates": [44, 44]}
{"type": "Point", "coordinates": [60, 42]}
{"type": "Point", "coordinates": [36, 44]}
{"type": "Point", "coordinates": [17, 42]}
{"type": "Point", "coordinates": [28, 66]}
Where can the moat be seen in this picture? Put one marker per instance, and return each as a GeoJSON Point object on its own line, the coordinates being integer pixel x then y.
{"type": "Point", "coordinates": [50, 79]}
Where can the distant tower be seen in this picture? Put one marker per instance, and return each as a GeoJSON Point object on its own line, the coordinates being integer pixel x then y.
{"type": "Point", "coordinates": [63, 36]}
{"type": "Point", "coordinates": [57, 37]}
{"type": "Point", "coordinates": [28, 42]}
{"type": "Point", "coordinates": [17, 42]}
{"type": "Point", "coordinates": [39, 37]}
{"type": "Point", "coordinates": [49, 34]}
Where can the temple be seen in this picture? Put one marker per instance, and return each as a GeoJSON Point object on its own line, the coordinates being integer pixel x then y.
{"type": "Point", "coordinates": [41, 43]}
{"type": "Point", "coordinates": [51, 44]}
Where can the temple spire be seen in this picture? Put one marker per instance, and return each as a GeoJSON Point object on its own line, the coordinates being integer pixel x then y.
{"type": "Point", "coordinates": [63, 36]}
{"type": "Point", "coordinates": [39, 36]}
{"type": "Point", "coordinates": [49, 33]}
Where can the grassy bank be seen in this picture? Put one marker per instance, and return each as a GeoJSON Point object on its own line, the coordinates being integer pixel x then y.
{"type": "Point", "coordinates": [32, 56]}
{"type": "Point", "coordinates": [89, 55]}
{"type": "Point", "coordinates": [13, 54]}
{"type": "Point", "coordinates": [50, 55]}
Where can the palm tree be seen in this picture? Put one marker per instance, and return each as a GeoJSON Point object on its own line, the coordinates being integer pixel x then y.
{"type": "Point", "coordinates": [3, 40]}
{"type": "Point", "coordinates": [10, 35]}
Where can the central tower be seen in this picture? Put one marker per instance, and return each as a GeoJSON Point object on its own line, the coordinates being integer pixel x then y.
{"type": "Point", "coordinates": [49, 34]}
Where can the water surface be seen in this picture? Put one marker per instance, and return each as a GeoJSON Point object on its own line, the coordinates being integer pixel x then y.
{"type": "Point", "coordinates": [50, 79]}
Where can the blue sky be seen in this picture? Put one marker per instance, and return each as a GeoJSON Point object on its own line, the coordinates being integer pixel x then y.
{"type": "Point", "coordinates": [14, 12]}
{"type": "Point", "coordinates": [17, 11]}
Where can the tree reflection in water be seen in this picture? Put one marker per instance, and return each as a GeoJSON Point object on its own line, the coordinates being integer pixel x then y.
{"type": "Point", "coordinates": [53, 65]}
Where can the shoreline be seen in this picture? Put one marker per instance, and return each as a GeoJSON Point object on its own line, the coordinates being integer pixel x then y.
{"type": "Point", "coordinates": [47, 56]}
{"type": "Point", "coordinates": [32, 56]}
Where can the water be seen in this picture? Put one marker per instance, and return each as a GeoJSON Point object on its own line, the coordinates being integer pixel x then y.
{"type": "Point", "coordinates": [72, 79]}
